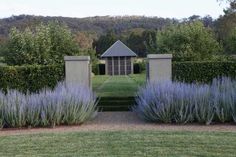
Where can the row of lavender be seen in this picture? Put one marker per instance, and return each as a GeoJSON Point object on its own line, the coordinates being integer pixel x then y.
{"type": "Point", "coordinates": [67, 104]}
{"type": "Point", "coordinates": [175, 102]}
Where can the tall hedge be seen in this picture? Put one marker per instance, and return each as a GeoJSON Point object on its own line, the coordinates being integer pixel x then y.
{"type": "Point", "coordinates": [35, 77]}
{"type": "Point", "coordinates": [202, 71]}
{"type": "Point", "coordinates": [31, 77]}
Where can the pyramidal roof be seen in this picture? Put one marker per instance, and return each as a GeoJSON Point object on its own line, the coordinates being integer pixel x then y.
{"type": "Point", "coordinates": [118, 49]}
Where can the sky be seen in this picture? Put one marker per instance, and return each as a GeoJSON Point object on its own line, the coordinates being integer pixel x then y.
{"type": "Point", "coordinates": [84, 8]}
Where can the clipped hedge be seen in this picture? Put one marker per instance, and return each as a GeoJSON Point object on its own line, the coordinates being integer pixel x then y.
{"type": "Point", "coordinates": [34, 77]}
{"type": "Point", "coordinates": [202, 71]}
{"type": "Point", "coordinates": [30, 77]}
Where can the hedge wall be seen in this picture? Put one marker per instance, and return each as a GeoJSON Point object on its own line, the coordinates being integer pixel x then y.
{"type": "Point", "coordinates": [36, 77]}
{"type": "Point", "coordinates": [30, 78]}
{"type": "Point", "coordinates": [202, 71]}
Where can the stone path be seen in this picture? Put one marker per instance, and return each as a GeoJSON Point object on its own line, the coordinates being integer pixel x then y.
{"type": "Point", "coordinates": [120, 121]}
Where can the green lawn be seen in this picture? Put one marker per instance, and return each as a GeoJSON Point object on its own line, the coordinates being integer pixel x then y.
{"type": "Point", "coordinates": [98, 80]}
{"type": "Point", "coordinates": [140, 79]}
{"type": "Point", "coordinates": [117, 86]}
{"type": "Point", "coordinates": [123, 144]}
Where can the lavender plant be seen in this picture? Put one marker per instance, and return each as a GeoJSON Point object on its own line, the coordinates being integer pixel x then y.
{"type": "Point", "coordinates": [79, 104]}
{"type": "Point", "coordinates": [14, 109]}
{"type": "Point", "coordinates": [153, 104]}
{"type": "Point", "coordinates": [66, 104]}
{"type": "Point", "coordinates": [183, 103]}
{"type": "Point", "coordinates": [223, 97]}
{"type": "Point", "coordinates": [183, 109]}
{"type": "Point", "coordinates": [203, 107]}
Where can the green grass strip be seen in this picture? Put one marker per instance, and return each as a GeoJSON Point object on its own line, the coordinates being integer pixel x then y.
{"type": "Point", "coordinates": [122, 144]}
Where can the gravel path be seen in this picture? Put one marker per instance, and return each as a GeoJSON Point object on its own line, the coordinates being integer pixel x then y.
{"type": "Point", "coordinates": [120, 121]}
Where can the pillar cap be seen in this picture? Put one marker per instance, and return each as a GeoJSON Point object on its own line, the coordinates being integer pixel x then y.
{"type": "Point", "coordinates": [76, 58]}
{"type": "Point", "coordinates": [159, 56]}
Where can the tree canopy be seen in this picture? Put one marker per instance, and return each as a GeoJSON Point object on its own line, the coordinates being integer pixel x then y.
{"type": "Point", "coordinates": [104, 42]}
{"type": "Point", "coordinates": [190, 41]}
{"type": "Point", "coordinates": [47, 44]}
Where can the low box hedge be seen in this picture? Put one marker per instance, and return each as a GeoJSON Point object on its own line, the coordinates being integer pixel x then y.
{"type": "Point", "coordinates": [30, 77]}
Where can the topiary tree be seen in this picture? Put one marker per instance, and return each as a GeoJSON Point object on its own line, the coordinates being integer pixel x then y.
{"type": "Point", "coordinates": [190, 41]}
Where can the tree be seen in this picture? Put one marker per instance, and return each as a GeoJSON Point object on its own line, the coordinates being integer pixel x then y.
{"type": "Point", "coordinates": [104, 42]}
{"type": "Point", "coordinates": [150, 41]}
{"type": "Point", "coordinates": [85, 39]}
{"type": "Point", "coordinates": [232, 6]}
{"type": "Point", "coordinates": [135, 42]}
{"type": "Point", "coordinates": [190, 41]}
{"type": "Point", "coordinates": [230, 43]}
{"type": "Point", "coordinates": [47, 44]}
{"type": "Point", "coordinates": [226, 24]}
{"type": "Point", "coordinates": [94, 60]}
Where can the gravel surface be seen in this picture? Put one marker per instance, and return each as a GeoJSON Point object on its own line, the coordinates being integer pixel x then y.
{"type": "Point", "coordinates": [120, 121]}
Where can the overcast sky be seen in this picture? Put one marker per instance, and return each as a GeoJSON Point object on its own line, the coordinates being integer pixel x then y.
{"type": "Point", "coordinates": [84, 8]}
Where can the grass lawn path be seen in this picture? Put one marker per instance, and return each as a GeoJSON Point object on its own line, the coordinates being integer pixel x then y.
{"type": "Point", "coordinates": [118, 86]}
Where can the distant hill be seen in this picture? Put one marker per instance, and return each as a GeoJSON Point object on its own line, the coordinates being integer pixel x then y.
{"type": "Point", "coordinates": [98, 24]}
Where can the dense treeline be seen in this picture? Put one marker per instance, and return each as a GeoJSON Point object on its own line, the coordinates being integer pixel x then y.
{"type": "Point", "coordinates": [99, 24]}
{"type": "Point", "coordinates": [194, 38]}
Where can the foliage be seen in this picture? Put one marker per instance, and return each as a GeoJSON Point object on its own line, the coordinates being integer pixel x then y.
{"type": "Point", "coordinates": [66, 104]}
{"type": "Point", "coordinates": [230, 42]}
{"type": "Point", "coordinates": [140, 41]}
{"type": "Point", "coordinates": [98, 25]}
{"type": "Point", "coordinates": [136, 43]}
{"type": "Point", "coordinates": [85, 39]}
{"type": "Point", "coordinates": [225, 27]}
{"type": "Point", "coordinates": [104, 42]}
{"type": "Point", "coordinates": [30, 78]}
{"type": "Point", "coordinates": [190, 40]}
{"type": "Point", "coordinates": [35, 77]}
{"type": "Point", "coordinates": [150, 41]}
{"type": "Point", "coordinates": [174, 102]}
{"type": "Point", "coordinates": [47, 44]}
{"type": "Point", "coordinates": [139, 67]}
{"type": "Point", "coordinates": [202, 71]}
{"type": "Point", "coordinates": [94, 60]}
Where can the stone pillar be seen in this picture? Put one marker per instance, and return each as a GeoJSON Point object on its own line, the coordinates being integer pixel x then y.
{"type": "Point", "coordinates": [78, 70]}
{"type": "Point", "coordinates": [159, 67]}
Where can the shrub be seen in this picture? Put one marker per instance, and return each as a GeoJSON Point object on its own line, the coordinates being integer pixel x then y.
{"type": "Point", "coordinates": [30, 78]}
{"type": "Point", "coordinates": [203, 72]}
{"type": "Point", "coordinates": [66, 104]}
{"type": "Point", "coordinates": [175, 102]}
